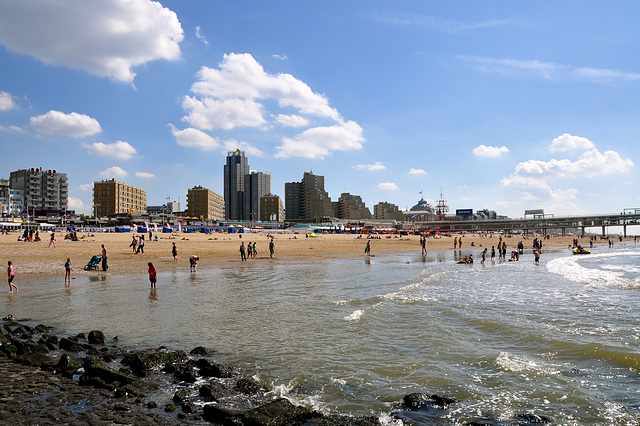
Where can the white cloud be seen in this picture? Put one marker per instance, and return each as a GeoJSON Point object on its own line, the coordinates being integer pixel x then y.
{"type": "Point", "coordinates": [222, 114]}
{"type": "Point", "coordinates": [280, 57]}
{"type": "Point", "coordinates": [568, 142]}
{"type": "Point", "coordinates": [534, 69]}
{"type": "Point", "coordinates": [370, 167]}
{"type": "Point", "coordinates": [119, 150]}
{"type": "Point", "coordinates": [6, 102]}
{"type": "Point", "coordinates": [232, 145]}
{"type": "Point", "coordinates": [489, 151]}
{"type": "Point", "coordinates": [85, 187]}
{"type": "Point", "coordinates": [292, 120]}
{"type": "Point", "coordinates": [319, 142]}
{"type": "Point", "coordinates": [113, 172]}
{"type": "Point", "coordinates": [434, 23]}
{"type": "Point", "coordinates": [413, 171]}
{"type": "Point", "coordinates": [388, 186]}
{"type": "Point", "coordinates": [72, 125]}
{"type": "Point", "coordinates": [194, 138]}
{"type": "Point", "coordinates": [199, 36]}
{"type": "Point", "coordinates": [143, 175]}
{"type": "Point", "coordinates": [74, 203]}
{"type": "Point", "coordinates": [104, 38]}
{"type": "Point", "coordinates": [12, 129]}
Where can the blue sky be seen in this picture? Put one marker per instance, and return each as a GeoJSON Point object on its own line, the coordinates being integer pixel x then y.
{"type": "Point", "coordinates": [504, 105]}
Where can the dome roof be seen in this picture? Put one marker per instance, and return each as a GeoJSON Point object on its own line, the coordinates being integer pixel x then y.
{"type": "Point", "coordinates": [422, 206]}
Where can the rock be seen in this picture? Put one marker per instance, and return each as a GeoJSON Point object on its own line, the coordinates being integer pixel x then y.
{"type": "Point", "coordinates": [279, 411]}
{"type": "Point", "coordinates": [248, 386]}
{"type": "Point", "coordinates": [200, 350]}
{"type": "Point", "coordinates": [170, 408]}
{"type": "Point", "coordinates": [41, 328]}
{"type": "Point", "coordinates": [70, 345]}
{"type": "Point", "coordinates": [179, 396]}
{"type": "Point", "coordinates": [93, 368]}
{"type": "Point", "coordinates": [215, 369]}
{"type": "Point", "coordinates": [141, 364]}
{"type": "Point", "coordinates": [68, 365]}
{"type": "Point", "coordinates": [211, 391]}
{"type": "Point", "coordinates": [152, 404]}
{"type": "Point", "coordinates": [80, 336]}
{"type": "Point", "coordinates": [96, 337]}
{"type": "Point", "coordinates": [442, 400]}
{"type": "Point", "coordinates": [219, 415]}
{"type": "Point", "coordinates": [185, 373]}
{"type": "Point", "coordinates": [413, 401]}
{"type": "Point", "coordinates": [187, 407]}
{"type": "Point", "coordinates": [533, 418]}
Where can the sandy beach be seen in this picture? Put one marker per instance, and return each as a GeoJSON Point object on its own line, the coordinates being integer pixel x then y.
{"type": "Point", "coordinates": [37, 259]}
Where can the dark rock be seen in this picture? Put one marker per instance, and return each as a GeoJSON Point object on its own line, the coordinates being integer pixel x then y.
{"type": "Point", "coordinates": [170, 408]}
{"type": "Point", "coordinates": [211, 391]}
{"type": "Point", "coordinates": [41, 348]}
{"type": "Point", "coordinates": [187, 407]}
{"type": "Point", "coordinates": [50, 338]}
{"type": "Point", "coordinates": [533, 418]}
{"type": "Point", "coordinates": [4, 339]}
{"type": "Point", "coordinates": [179, 396]}
{"type": "Point", "coordinates": [68, 365]}
{"type": "Point", "coordinates": [141, 364]}
{"type": "Point", "coordinates": [413, 401]}
{"type": "Point", "coordinates": [93, 368]}
{"type": "Point", "coordinates": [23, 347]}
{"type": "Point", "coordinates": [121, 407]}
{"type": "Point", "coordinates": [214, 369]}
{"type": "Point", "coordinates": [70, 345]}
{"type": "Point", "coordinates": [96, 337]}
{"type": "Point", "coordinates": [442, 400]}
{"type": "Point", "coordinates": [185, 373]}
{"type": "Point", "coordinates": [219, 415]}
{"type": "Point", "coordinates": [200, 350]}
{"type": "Point", "coordinates": [248, 386]}
{"type": "Point", "coordinates": [90, 350]}
{"type": "Point", "coordinates": [279, 411]}
{"type": "Point", "coordinates": [107, 358]}
{"type": "Point", "coordinates": [41, 328]}
{"type": "Point", "coordinates": [152, 404]}
{"type": "Point", "coordinates": [36, 359]}
{"type": "Point", "coordinates": [80, 336]}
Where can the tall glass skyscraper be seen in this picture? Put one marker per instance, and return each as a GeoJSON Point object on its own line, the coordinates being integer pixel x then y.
{"type": "Point", "coordinates": [235, 169]}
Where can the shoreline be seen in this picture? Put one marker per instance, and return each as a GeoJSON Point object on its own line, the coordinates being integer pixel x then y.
{"type": "Point", "coordinates": [34, 260]}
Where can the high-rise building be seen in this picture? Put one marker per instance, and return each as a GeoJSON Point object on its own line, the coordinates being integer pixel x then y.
{"type": "Point", "coordinates": [352, 207]}
{"type": "Point", "coordinates": [111, 197]}
{"type": "Point", "coordinates": [256, 185]}
{"type": "Point", "coordinates": [307, 199]}
{"type": "Point", "coordinates": [235, 169]}
{"type": "Point", "coordinates": [387, 211]}
{"type": "Point", "coordinates": [271, 209]}
{"type": "Point", "coordinates": [44, 191]}
{"type": "Point", "coordinates": [204, 203]}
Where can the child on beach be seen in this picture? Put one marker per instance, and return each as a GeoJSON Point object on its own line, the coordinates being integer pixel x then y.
{"type": "Point", "coordinates": [10, 276]}
{"type": "Point", "coordinates": [67, 272]}
{"type": "Point", "coordinates": [52, 240]}
{"type": "Point", "coordinates": [153, 274]}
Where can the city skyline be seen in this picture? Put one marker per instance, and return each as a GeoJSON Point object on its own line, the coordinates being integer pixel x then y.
{"type": "Point", "coordinates": [500, 106]}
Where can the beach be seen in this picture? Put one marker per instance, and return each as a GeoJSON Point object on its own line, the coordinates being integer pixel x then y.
{"type": "Point", "coordinates": [38, 259]}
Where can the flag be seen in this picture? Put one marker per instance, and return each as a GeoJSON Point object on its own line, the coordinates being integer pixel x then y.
{"type": "Point", "coordinates": [420, 192]}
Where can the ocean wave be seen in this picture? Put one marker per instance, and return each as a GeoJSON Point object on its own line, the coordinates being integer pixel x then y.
{"type": "Point", "coordinates": [521, 364]}
{"type": "Point", "coordinates": [603, 269]}
{"type": "Point", "coordinates": [355, 315]}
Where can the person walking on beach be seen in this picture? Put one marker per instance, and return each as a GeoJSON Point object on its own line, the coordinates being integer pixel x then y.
{"type": "Point", "coordinates": [140, 245]}
{"type": "Point", "coordinates": [255, 250]}
{"type": "Point", "coordinates": [193, 263]}
{"type": "Point", "coordinates": [272, 248]}
{"type": "Point", "coordinates": [243, 255]}
{"type": "Point", "coordinates": [484, 256]}
{"type": "Point", "coordinates": [134, 243]}
{"type": "Point", "coordinates": [52, 240]}
{"type": "Point", "coordinates": [423, 244]}
{"type": "Point", "coordinates": [153, 274]}
{"type": "Point", "coordinates": [174, 251]}
{"type": "Point", "coordinates": [367, 248]}
{"type": "Point", "coordinates": [10, 277]}
{"type": "Point", "coordinates": [536, 254]}
{"type": "Point", "coordinates": [104, 258]}
{"type": "Point", "coordinates": [249, 250]}
{"type": "Point", "coordinates": [67, 272]}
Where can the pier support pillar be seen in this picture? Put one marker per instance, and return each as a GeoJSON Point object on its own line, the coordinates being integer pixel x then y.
{"type": "Point", "coordinates": [624, 230]}
{"type": "Point", "coordinates": [604, 231]}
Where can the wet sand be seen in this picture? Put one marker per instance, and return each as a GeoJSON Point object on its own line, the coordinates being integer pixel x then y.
{"type": "Point", "coordinates": [37, 259]}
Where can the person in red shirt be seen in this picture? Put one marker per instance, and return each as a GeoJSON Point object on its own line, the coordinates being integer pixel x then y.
{"type": "Point", "coordinates": [153, 275]}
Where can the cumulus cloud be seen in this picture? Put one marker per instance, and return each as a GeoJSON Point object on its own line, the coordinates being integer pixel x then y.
{"type": "Point", "coordinates": [232, 145]}
{"type": "Point", "coordinates": [200, 37]}
{"type": "Point", "coordinates": [240, 93]}
{"type": "Point", "coordinates": [6, 102]}
{"type": "Point", "coordinates": [388, 186]}
{"type": "Point", "coordinates": [119, 150]}
{"type": "Point", "coordinates": [104, 38]}
{"type": "Point", "coordinates": [413, 171]}
{"type": "Point", "coordinates": [194, 138]}
{"type": "Point", "coordinates": [292, 120]}
{"type": "Point", "coordinates": [73, 125]}
{"type": "Point", "coordinates": [370, 167]}
{"type": "Point", "coordinates": [568, 142]}
{"type": "Point", "coordinates": [113, 172]}
{"type": "Point", "coordinates": [74, 203]}
{"type": "Point", "coordinates": [144, 175]}
{"type": "Point", "coordinates": [489, 151]}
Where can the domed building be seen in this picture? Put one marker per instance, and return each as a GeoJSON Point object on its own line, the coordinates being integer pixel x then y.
{"type": "Point", "coordinates": [421, 212]}
{"type": "Point", "coordinates": [422, 206]}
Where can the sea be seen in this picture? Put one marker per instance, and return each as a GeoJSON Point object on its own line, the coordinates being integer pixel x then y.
{"type": "Point", "coordinates": [559, 339]}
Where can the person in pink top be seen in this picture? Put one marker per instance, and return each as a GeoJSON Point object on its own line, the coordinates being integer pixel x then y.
{"type": "Point", "coordinates": [10, 276]}
{"type": "Point", "coordinates": [153, 274]}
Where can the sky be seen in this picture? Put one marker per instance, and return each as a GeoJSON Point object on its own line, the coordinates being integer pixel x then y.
{"type": "Point", "coordinates": [499, 105]}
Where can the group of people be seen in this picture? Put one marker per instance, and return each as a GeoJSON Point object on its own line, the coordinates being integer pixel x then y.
{"type": "Point", "coordinates": [29, 235]}
{"type": "Point", "coordinates": [137, 244]}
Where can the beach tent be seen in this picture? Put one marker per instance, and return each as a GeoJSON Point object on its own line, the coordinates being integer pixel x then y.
{"type": "Point", "coordinates": [313, 234]}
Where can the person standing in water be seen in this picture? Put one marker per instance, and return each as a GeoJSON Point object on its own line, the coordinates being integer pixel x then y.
{"type": "Point", "coordinates": [367, 248]}
{"type": "Point", "coordinates": [174, 251]}
{"type": "Point", "coordinates": [153, 274]}
{"type": "Point", "coordinates": [67, 272]}
{"type": "Point", "coordinates": [10, 277]}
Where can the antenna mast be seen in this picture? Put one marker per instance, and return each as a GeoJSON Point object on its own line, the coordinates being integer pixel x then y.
{"type": "Point", "coordinates": [442, 208]}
